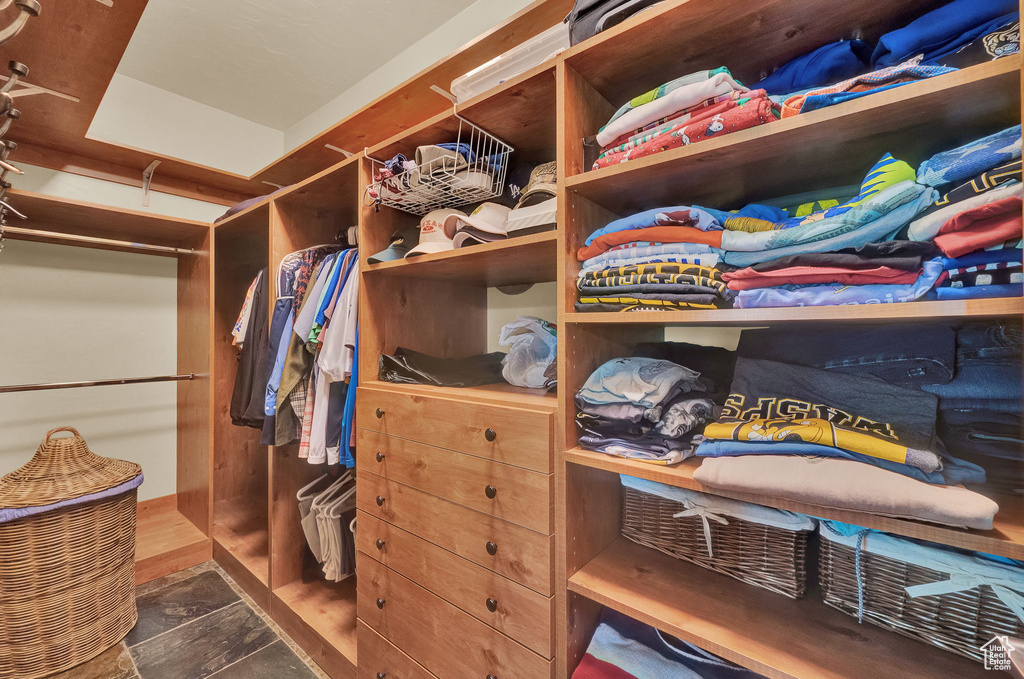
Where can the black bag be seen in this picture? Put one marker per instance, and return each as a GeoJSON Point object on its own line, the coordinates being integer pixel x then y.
{"type": "Point", "coordinates": [590, 17]}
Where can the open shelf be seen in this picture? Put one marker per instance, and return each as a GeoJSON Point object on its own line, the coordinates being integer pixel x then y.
{"type": "Point", "coordinates": [240, 529]}
{"type": "Point", "coordinates": [166, 541]}
{"type": "Point", "coordinates": [75, 217]}
{"type": "Point", "coordinates": [526, 259]}
{"type": "Point", "coordinates": [321, 616]}
{"type": "Point", "coordinates": [787, 156]}
{"type": "Point", "coordinates": [500, 393]}
{"type": "Point", "coordinates": [1005, 539]}
{"type": "Point", "coordinates": [924, 311]}
{"type": "Point", "coordinates": [761, 630]}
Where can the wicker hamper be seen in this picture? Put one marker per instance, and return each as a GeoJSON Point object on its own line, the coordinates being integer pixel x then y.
{"type": "Point", "coordinates": [67, 557]}
{"type": "Point", "coordinates": [751, 545]}
{"type": "Point", "coordinates": [959, 621]}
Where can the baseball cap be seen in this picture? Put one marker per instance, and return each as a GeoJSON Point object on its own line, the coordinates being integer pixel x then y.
{"type": "Point", "coordinates": [542, 186]}
{"type": "Point", "coordinates": [433, 237]}
{"type": "Point", "coordinates": [485, 225]}
{"type": "Point", "coordinates": [402, 241]}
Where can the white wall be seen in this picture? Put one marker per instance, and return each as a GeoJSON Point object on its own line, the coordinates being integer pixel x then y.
{"type": "Point", "coordinates": [72, 314]}
{"type": "Point", "coordinates": [478, 18]}
{"type": "Point", "coordinates": [144, 116]}
{"type": "Point", "coordinates": [538, 301]}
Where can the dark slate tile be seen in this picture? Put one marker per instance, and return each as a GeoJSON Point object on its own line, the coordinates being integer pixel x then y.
{"type": "Point", "coordinates": [276, 661]}
{"type": "Point", "coordinates": [114, 663]}
{"type": "Point", "coordinates": [164, 609]}
{"type": "Point", "coordinates": [198, 649]}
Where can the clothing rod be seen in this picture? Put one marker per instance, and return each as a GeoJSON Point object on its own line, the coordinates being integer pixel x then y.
{"type": "Point", "coordinates": [94, 383]}
{"type": "Point", "coordinates": [18, 231]}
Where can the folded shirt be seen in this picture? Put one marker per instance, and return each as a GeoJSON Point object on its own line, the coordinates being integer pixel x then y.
{"type": "Point", "coordinates": [942, 31]}
{"type": "Point", "coordinates": [653, 235]}
{"type": "Point", "coordinates": [678, 215]}
{"type": "Point", "coordinates": [654, 262]}
{"type": "Point", "coordinates": [904, 260]}
{"type": "Point", "coordinates": [717, 121]}
{"type": "Point", "coordinates": [663, 90]}
{"type": "Point", "coordinates": [845, 484]}
{"type": "Point", "coordinates": [749, 279]}
{"type": "Point", "coordinates": [981, 227]}
{"type": "Point", "coordinates": [646, 382]}
{"type": "Point", "coordinates": [979, 184]}
{"type": "Point", "coordinates": [630, 274]}
{"type": "Point", "coordinates": [953, 471]}
{"type": "Point", "coordinates": [841, 294]}
{"type": "Point", "coordinates": [859, 86]}
{"type": "Point", "coordinates": [652, 251]}
{"type": "Point", "coordinates": [680, 98]}
{"type": "Point", "coordinates": [597, 284]}
{"type": "Point", "coordinates": [640, 302]}
{"type": "Point", "coordinates": [972, 158]}
{"type": "Point", "coordinates": [980, 292]}
{"type": "Point", "coordinates": [1001, 41]}
{"type": "Point", "coordinates": [658, 290]}
{"type": "Point", "coordinates": [828, 64]}
{"type": "Point", "coordinates": [926, 226]}
{"type": "Point", "coordinates": [997, 273]}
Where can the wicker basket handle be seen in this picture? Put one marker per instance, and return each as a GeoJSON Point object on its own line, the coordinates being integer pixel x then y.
{"type": "Point", "coordinates": [50, 433]}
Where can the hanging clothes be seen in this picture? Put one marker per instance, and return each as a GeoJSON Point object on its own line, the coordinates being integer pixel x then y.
{"type": "Point", "coordinates": [247, 399]}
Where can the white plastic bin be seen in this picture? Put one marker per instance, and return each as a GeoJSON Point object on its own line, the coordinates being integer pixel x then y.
{"type": "Point", "coordinates": [533, 52]}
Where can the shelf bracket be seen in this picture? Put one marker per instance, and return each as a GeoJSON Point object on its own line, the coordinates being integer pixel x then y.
{"type": "Point", "coordinates": [147, 179]}
{"type": "Point", "coordinates": [445, 93]}
{"type": "Point", "coordinates": [348, 154]}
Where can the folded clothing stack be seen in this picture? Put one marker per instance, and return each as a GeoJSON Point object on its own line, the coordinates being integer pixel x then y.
{"type": "Point", "coordinates": [957, 35]}
{"type": "Point", "coordinates": [845, 419]}
{"type": "Point", "coordinates": [684, 111]}
{"type": "Point", "coordinates": [660, 259]}
{"type": "Point", "coordinates": [642, 408]}
{"type": "Point", "coordinates": [976, 222]}
{"type": "Point", "coordinates": [980, 409]}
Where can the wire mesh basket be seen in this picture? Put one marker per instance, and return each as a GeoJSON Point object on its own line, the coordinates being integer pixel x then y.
{"type": "Point", "coordinates": [469, 170]}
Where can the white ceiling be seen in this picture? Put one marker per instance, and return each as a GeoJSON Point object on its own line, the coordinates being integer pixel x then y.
{"type": "Point", "coordinates": [274, 61]}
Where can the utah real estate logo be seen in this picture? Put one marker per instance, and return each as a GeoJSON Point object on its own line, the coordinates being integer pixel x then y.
{"type": "Point", "coordinates": [997, 653]}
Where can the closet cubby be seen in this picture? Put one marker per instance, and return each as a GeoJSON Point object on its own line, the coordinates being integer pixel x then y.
{"type": "Point", "coordinates": [320, 614]}
{"type": "Point", "coordinates": [240, 462]}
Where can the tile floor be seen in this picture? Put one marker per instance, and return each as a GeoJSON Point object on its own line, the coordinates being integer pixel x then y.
{"type": "Point", "coordinates": [197, 624]}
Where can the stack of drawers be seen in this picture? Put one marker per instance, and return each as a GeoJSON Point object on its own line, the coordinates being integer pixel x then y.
{"type": "Point", "coordinates": [456, 554]}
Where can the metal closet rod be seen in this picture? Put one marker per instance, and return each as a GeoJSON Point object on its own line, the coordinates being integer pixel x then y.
{"type": "Point", "coordinates": [95, 383]}
{"type": "Point", "coordinates": [18, 231]}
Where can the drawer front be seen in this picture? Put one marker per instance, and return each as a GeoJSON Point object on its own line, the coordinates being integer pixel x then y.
{"type": "Point", "coordinates": [379, 657]}
{"type": "Point", "coordinates": [511, 493]}
{"type": "Point", "coordinates": [521, 437]}
{"type": "Point", "coordinates": [448, 642]}
{"type": "Point", "coordinates": [508, 607]}
{"type": "Point", "coordinates": [513, 551]}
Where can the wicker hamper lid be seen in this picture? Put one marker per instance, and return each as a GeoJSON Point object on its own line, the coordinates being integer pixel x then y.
{"type": "Point", "coordinates": [63, 469]}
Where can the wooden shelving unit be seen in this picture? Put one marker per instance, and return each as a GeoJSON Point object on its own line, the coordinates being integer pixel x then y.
{"type": "Point", "coordinates": [166, 541]}
{"type": "Point", "coordinates": [761, 630]}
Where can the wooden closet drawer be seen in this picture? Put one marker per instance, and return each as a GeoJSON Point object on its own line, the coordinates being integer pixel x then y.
{"type": "Point", "coordinates": [379, 657]}
{"type": "Point", "coordinates": [507, 606]}
{"type": "Point", "coordinates": [516, 436]}
{"type": "Point", "coordinates": [513, 551]}
{"type": "Point", "coordinates": [436, 634]}
{"type": "Point", "coordinates": [512, 493]}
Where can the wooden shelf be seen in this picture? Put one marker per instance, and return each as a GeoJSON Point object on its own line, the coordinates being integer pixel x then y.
{"type": "Point", "coordinates": [1005, 539]}
{"type": "Point", "coordinates": [500, 393]}
{"type": "Point", "coordinates": [76, 217]}
{"type": "Point", "coordinates": [921, 311]}
{"type": "Point", "coordinates": [761, 630]}
{"type": "Point", "coordinates": [240, 529]}
{"type": "Point", "coordinates": [321, 617]}
{"type": "Point", "coordinates": [526, 259]}
{"type": "Point", "coordinates": [166, 541]}
{"type": "Point", "coordinates": [833, 146]}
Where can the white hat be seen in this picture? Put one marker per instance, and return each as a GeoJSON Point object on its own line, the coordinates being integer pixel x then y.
{"type": "Point", "coordinates": [433, 236]}
{"type": "Point", "coordinates": [489, 217]}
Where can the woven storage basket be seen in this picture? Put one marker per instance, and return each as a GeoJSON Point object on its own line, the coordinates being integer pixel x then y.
{"type": "Point", "coordinates": [765, 556]}
{"type": "Point", "coordinates": [961, 622]}
{"type": "Point", "coordinates": [67, 572]}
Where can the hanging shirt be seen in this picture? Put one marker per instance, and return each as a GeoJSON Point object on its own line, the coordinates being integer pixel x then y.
{"type": "Point", "coordinates": [238, 333]}
{"type": "Point", "coordinates": [338, 339]}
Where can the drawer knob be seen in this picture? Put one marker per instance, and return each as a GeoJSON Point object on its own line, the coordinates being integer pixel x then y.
{"type": "Point", "coordinates": [491, 491]}
{"type": "Point", "coordinates": [381, 675]}
{"type": "Point", "coordinates": [491, 676]}
{"type": "Point", "coordinates": [490, 434]}
{"type": "Point", "coordinates": [380, 457]}
{"type": "Point", "coordinates": [380, 603]}
{"type": "Point", "coordinates": [380, 545]}
{"type": "Point", "coordinates": [380, 413]}
{"type": "Point", "coordinates": [492, 548]}
{"type": "Point", "coordinates": [380, 500]}
{"type": "Point", "coordinates": [492, 605]}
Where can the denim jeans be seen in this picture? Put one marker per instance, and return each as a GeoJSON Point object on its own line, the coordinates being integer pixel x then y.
{"type": "Point", "coordinates": [988, 371]}
{"type": "Point", "coordinates": [905, 354]}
